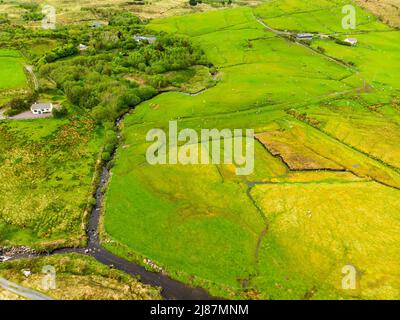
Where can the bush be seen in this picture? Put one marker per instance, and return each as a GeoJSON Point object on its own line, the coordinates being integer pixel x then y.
{"type": "Point", "coordinates": [61, 52]}
{"type": "Point", "coordinates": [33, 16]}
{"type": "Point", "coordinates": [146, 92]}
{"type": "Point", "coordinates": [60, 113]}
{"type": "Point", "coordinates": [20, 104]}
{"type": "Point", "coordinates": [109, 148]}
{"type": "Point", "coordinates": [106, 156]}
{"type": "Point", "coordinates": [130, 99]}
{"type": "Point", "coordinates": [123, 19]}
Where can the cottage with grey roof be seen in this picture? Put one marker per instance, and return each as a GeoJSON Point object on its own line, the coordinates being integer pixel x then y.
{"type": "Point", "coordinates": [41, 108]}
{"type": "Point", "coordinates": [351, 41]}
{"type": "Point", "coordinates": [305, 36]}
{"type": "Point", "coordinates": [150, 39]}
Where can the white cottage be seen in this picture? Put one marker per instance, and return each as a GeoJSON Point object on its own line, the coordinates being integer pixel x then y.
{"type": "Point", "coordinates": [351, 41]}
{"type": "Point", "coordinates": [83, 47]}
{"type": "Point", "coordinates": [150, 39]}
{"type": "Point", "coordinates": [41, 108]}
{"type": "Point", "coordinates": [305, 36]}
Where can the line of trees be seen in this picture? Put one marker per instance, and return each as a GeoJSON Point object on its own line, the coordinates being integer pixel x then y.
{"type": "Point", "coordinates": [94, 80]}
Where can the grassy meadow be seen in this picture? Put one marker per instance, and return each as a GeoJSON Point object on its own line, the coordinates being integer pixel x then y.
{"type": "Point", "coordinates": [47, 167]}
{"type": "Point", "coordinates": [11, 70]}
{"type": "Point", "coordinates": [284, 231]}
{"type": "Point", "coordinates": [75, 11]}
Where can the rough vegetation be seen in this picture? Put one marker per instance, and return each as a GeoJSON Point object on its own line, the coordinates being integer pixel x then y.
{"type": "Point", "coordinates": [324, 191]}
{"type": "Point", "coordinates": [278, 233]}
{"type": "Point", "coordinates": [77, 277]}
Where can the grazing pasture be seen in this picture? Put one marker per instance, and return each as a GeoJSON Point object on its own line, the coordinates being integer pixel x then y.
{"type": "Point", "coordinates": [276, 233]}
{"type": "Point", "coordinates": [310, 238]}
{"type": "Point", "coordinates": [324, 191]}
{"type": "Point", "coordinates": [47, 167]}
{"type": "Point", "coordinates": [12, 74]}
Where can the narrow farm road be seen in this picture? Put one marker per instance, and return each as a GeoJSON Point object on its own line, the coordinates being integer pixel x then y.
{"type": "Point", "coordinates": [287, 33]}
{"type": "Point", "coordinates": [22, 291]}
{"type": "Point", "coordinates": [35, 81]}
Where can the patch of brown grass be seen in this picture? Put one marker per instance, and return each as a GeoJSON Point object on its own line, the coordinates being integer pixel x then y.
{"type": "Point", "coordinates": [387, 10]}
{"type": "Point", "coordinates": [296, 155]}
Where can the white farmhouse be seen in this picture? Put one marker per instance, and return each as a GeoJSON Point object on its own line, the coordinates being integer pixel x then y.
{"type": "Point", "coordinates": [83, 47]}
{"type": "Point", "coordinates": [305, 36]}
{"type": "Point", "coordinates": [150, 39]}
{"type": "Point", "coordinates": [41, 108]}
{"type": "Point", "coordinates": [351, 41]}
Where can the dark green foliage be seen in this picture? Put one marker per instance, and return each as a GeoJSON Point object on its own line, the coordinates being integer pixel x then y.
{"type": "Point", "coordinates": [20, 104]}
{"type": "Point", "coordinates": [30, 6]}
{"type": "Point", "coordinates": [33, 16]}
{"type": "Point", "coordinates": [60, 113]}
{"type": "Point", "coordinates": [33, 13]}
{"type": "Point", "coordinates": [61, 52]}
{"type": "Point", "coordinates": [106, 156]}
{"type": "Point", "coordinates": [4, 18]}
{"type": "Point", "coordinates": [167, 54]}
{"type": "Point", "coordinates": [94, 80]}
{"type": "Point", "coordinates": [123, 19]}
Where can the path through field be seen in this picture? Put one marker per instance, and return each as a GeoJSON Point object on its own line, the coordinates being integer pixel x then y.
{"type": "Point", "coordinates": [35, 81]}
{"type": "Point", "coordinates": [22, 291]}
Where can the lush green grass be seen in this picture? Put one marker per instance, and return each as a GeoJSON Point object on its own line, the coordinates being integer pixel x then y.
{"type": "Point", "coordinates": [316, 229]}
{"type": "Point", "coordinates": [46, 170]}
{"type": "Point", "coordinates": [314, 16]}
{"type": "Point", "coordinates": [203, 224]}
{"type": "Point", "coordinates": [12, 75]}
{"type": "Point", "coordinates": [207, 216]}
{"type": "Point", "coordinates": [265, 70]}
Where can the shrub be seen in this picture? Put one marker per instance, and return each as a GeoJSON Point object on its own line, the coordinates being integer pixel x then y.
{"type": "Point", "coordinates": [106, 156]}
{"type": "Point", "coordinates": [33, 16]}
{"type": "Point", "coordinates": [20, 104]}
{"type": "Point", "coordinates": [60, 113]}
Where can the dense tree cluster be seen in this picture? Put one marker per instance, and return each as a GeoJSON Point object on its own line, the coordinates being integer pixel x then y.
{"type": "Point", "coordinates": [92, 83]}
{"type": "Point", "coordinates": [169, 53]}
{"type": "Point", "coordinates": [61, 52]}
{"type": "Point", "coordinates": [33, 13]}
{"type": "Point", "coordinates": [95, 79]}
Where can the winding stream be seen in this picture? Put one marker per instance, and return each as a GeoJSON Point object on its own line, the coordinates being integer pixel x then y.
{"type": "Point", "coordinates": [170, 289]}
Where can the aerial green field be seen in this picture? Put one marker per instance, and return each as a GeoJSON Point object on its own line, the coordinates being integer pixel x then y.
{"type": "Point", "coordinates": [47, 180]}
{"type": "Point", "coordinates": [286, 231]}
{"type": "Point", "coordinates": [323, 195]}
{"type": "Point", "coordinates": [12, 74]}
